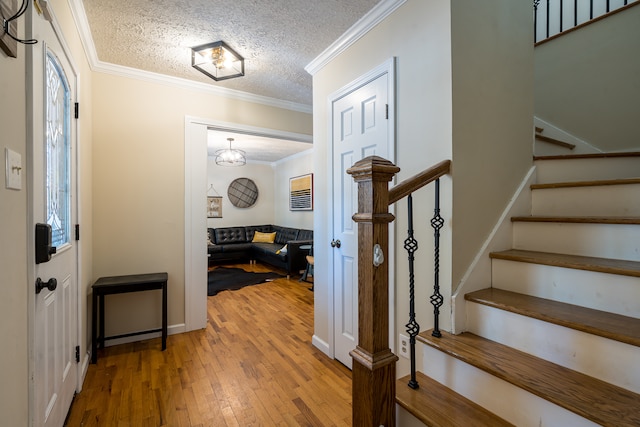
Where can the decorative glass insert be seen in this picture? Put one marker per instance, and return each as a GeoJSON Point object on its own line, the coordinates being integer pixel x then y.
{"type": "Point", "coordinates": [57, 151]}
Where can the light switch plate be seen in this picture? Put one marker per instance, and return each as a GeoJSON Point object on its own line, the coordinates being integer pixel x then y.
{"type": "Point", "coordinates": [13, 169]}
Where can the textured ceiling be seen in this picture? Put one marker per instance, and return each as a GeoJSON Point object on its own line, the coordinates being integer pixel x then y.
{"type": "Point", "coordinates": [277, 38]}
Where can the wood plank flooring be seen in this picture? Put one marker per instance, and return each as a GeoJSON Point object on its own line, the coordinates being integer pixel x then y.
{"type": "Point", "coordinates": [254, 365]}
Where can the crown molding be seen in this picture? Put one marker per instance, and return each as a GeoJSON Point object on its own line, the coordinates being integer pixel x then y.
{"type": "Point", "coordinates": [82, 25]}
{"type": "Point", "coordinates": [355, 33]}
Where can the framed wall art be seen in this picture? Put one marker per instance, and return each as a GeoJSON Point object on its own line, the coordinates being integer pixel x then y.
{"type": "Point", "coordinates": [214, 207]}
{"type": "Point", "coordinates": [301, 193]}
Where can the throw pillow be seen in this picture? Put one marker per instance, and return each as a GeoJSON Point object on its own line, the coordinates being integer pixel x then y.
{"type": "Point", "coordinates": [209, 242]}
{"type": "Point", "coordinates": [282, 250]}
{"type": "Point", "coordinates": [259, 237]}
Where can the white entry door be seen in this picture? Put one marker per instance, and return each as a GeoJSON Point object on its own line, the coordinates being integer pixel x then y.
{"type": "Point", "coordinates": [360, 129]}
{"type": "Point", "coordinates": [52, 87]}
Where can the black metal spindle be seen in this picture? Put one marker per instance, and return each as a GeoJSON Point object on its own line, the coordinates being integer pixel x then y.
{"type": "Point", "coordinates": [411, 246]}
{"type": "Point", "coordinates": [590, 9]}
{"type": "Point", "coordinates": [608, 6]}
{"type": "Point", "coordinates": [575, 13]}
{"type": "Point", "coordinates": [436, 299]}
{"type": "Point", "coordinates": [561, 14]}
{"type": "Point", "coordinates": [535, 22]}
{"type": "Point", "coordinates": [547, 18]}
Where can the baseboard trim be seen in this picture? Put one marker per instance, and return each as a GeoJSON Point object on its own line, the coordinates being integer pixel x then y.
{"type": "Point", "coordinates": [171, 330]}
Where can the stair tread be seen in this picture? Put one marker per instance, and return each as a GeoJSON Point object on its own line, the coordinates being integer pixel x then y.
{"type": "Point", "coordinates": [579, 219]}
{"type": "Point", "coordinates": [594, 399]}
{"type": "Point", "coordinates": [571, 184]}
{"type": "Point", "coordinates": [588, 156]}
{"type": "Point", "coordinates": [601, 265]}
{"type": "Point", "coordinates": [608, 325]}
{"type": "Point", "coordinates": [555, 141]}
{"type": "Point", "coordinates": [432, 404]}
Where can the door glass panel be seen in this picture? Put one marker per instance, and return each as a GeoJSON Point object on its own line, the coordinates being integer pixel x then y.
{"type": "Point", "coordinates": [57, 152]}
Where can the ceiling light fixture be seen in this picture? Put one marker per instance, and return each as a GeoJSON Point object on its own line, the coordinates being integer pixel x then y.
{"type": "Point", "coordinates": [230, 156]}
{"type": "Point", "coordinates": [217, 60]}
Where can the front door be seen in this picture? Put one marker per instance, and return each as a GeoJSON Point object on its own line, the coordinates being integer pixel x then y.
{"type": "Point", "coordinates": [52, 86]}
{"type": "Point", "coordinates": [360, 129]}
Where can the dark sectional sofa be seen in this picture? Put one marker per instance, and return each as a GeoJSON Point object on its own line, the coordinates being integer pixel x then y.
{"type": "Point", "coordinates": [234, 244]}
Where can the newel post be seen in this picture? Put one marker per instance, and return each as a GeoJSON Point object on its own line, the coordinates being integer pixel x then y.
{"type": "Point", "coordinates": [374, 365]}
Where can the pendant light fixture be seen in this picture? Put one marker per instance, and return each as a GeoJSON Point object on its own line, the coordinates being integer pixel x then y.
{"type": "Point", "coordinates": [230, 156]}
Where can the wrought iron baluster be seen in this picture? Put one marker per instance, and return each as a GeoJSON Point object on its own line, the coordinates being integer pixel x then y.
{"type": "Point", "coordinates": [411, 246]}
{"type": "Point", "coordinates": [575, 13]}
{"type": "Point", "coordinates": [548, 18]}
{"type": "Point", "coordinates": [436, 299]}
{"type": "Point", "coordinates": [535, 20]}
{"type": "Point", "coordinates": [590, 9]}
{"type": "Point", "coordinates": [561, 15]}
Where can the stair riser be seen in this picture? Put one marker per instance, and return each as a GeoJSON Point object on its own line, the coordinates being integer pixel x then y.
{"type": "Point", "coordinates": [618, 241]}
{"type": "Point", "coordinates": [500, 397]}
{"type": "Point", "coordinates": [580, 351]}
{"type": "Point", "coordinates": [571, 170]}
{"type": "Point", "coordinates": [604, 200]}
{"type": "Point", "coordinates": [600, 291]}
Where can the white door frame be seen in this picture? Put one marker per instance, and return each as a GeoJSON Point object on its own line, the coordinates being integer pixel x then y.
{"type": "Point", "coordinates": [195, 219]}
{"type": "Point", "coordinates": [387, 67]}
{"type": "Point", "coordinates": [31, 269]}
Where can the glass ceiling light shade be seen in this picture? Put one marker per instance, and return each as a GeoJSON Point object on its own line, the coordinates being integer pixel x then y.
{"type": "Point", "coordinates": [230, 156]}
{"type": "Point", "coordinates": [217, 60]}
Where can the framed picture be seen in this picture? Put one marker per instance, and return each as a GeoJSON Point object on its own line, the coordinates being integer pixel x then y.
{"type": "Point", "coordinates": [7, 9]}
{"type": "Point", "coordinates": [214, 207]}
{"type": "Point", "coordinates": [301, 193]}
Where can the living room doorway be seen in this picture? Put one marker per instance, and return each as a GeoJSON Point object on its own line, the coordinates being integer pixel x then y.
{"type": "Point", "coordinates": [197, 134]}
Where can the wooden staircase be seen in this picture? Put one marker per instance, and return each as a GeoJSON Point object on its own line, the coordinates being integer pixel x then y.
{"type": "Point", "coordinates": [555, 340]}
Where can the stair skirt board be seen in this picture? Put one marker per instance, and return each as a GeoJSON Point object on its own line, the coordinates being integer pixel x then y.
{"type": "Point", "coordinates": [613, 200]}
{"type": "Point", "coordinates": [549, 171]}
{"type": "Point", "coordinates": [599, 357]}
{"type": "Point", "coordinates": [619, 241]}
{"type": "Point", "coordinates": [512, 403]}
{"type": "Point", "coordinates": [600, 291]}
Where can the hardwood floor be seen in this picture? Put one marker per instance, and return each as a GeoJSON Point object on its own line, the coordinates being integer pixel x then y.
{"type": "Point", "coordinates": [254, 365]}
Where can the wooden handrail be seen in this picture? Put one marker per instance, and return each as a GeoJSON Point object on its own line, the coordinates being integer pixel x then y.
{"type": "Point", "coordinates": [418, 181]}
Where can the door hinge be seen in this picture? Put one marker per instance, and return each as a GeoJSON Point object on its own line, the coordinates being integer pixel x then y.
{"type": "Point", "coordinates": [77, 232]}
{"type": "Point", "coordinates": [76, 112]}
{"type": "Point", "coordinates": [77, 354]}
{"type": "Point", "coordinates": [386, 113]}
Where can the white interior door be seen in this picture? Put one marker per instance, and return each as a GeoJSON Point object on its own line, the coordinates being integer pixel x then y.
{"type": "Point", "coordinates": [360, 129]}
{"type": "Point", "coordinates": [52, 84]}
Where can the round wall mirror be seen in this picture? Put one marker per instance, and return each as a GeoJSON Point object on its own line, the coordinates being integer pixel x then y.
{"type": "Point", "coordinates": [242, 192]}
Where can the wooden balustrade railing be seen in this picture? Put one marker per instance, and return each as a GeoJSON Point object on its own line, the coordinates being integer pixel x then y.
{"type": "Point", "coordinates": [374, 365]}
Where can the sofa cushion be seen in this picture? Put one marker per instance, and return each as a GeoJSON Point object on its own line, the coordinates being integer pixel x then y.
{"type": "Point", "coordinates": [260, 237]}
{"type": "Point", "coordinates": [285, 234]}
{"type": "Point", "coordinates": [269, 249]}
{"type": "Point", "coordinates": [305, 235]}
{"type": "Point", "coordinates": [214, 249]}
{"type": "Point", "coordinates": [236, 247]}
{"type": "Point", "coordinates": [230, 235]}
{"type": "Point", "coordinates": [251, 229]}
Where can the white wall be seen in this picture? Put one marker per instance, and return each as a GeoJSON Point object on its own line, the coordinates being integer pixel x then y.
{"type": "Point", "coordinates": [586, 82]}
{"type": "Point", "coordinates": [262, 212]}
{"type": "Point", "coordinates": [296, 165]}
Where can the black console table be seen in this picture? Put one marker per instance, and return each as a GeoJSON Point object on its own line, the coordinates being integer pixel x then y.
{"type": "Point", "coordinates": [120, 285]}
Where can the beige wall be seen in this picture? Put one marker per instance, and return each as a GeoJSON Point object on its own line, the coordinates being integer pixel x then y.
{"type": "Point", "coordinates": [138, 182]}
{"type": "Point", "coordinates": [464, 92]}
{"type": "Point", "coordinates": [262, 212]}
{"type": "Point", "coordinates": [492, 57]}
{"type": "Point", "coordinates": [296, 165]}
{"type": "Point", "coordinates": [586, 82]}
{"type": "Point", "coordinates": [14, 289]}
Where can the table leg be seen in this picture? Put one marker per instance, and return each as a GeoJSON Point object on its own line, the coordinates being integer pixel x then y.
{"type": "Point", "coordinates": [94, 327]}
{"type": "Point", "coordinates": [164, 316]}
{"type": "Point", "coordinates": [101, 310]}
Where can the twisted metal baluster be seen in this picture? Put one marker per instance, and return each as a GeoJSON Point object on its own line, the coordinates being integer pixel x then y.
{"type": "Point", "coordinates": [411, 246]}
{"type": "Point", "coordinates": [436, 299]}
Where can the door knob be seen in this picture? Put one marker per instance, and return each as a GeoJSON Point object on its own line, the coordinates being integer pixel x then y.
{"type": "Point", "coordinates": [335, 243]}
{"type": "Point", "coordinates": [52, 284]}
